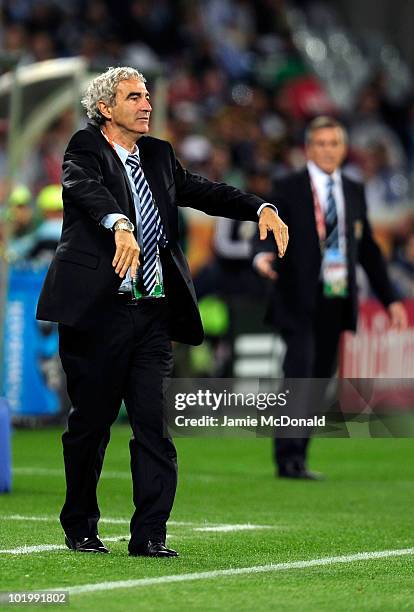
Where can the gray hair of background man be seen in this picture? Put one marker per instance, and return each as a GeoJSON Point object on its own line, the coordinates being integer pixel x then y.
{"type": "Point", "coordinates": [322, 122]}
{"type": "Point", "coordinates": [103, 88]}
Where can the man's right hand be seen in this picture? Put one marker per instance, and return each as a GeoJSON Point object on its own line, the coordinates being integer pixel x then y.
{"type": "Point", "coordinates": [263, 262]}
{"type": "Point", "coordinates": [126, 254]}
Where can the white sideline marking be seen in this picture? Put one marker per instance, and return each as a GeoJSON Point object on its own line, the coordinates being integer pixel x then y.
{"type": "Point", "coordinates": [226, 528]}
{"type": "Point", "coordinates": [39, 471]}
{"type": "Point", "coordinates": [256, 569]}
{"type": "Point", "coordinates": [55, 519]}
{"type": "Point", "coordinates": [21, 517]}
{"type": "Point", "coordinates": [110, 474]}
{"type": "Point", "coordinates": [214, 527]}
{"type": "Point", "coordinates": [26, 550]}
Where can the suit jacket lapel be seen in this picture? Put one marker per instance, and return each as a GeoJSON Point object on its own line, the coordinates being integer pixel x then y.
{"type": "Point", "coordinates": [123, 172]}
{"type": "Point", "coordinates": [153, 176]}
{"type": "Point", "coordinates": [111, 151]}
{"type": "Point", "coordinates": [349, 236]}
{"type": "Point", "coordinates": [309, 208]}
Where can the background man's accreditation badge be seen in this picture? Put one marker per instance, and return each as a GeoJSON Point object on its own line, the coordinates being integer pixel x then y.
{"type": "Point", "coordinates": [334, 274]}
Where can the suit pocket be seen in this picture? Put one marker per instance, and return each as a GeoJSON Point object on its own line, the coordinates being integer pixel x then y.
{"type": "Point", "coordinates": [81, 258]}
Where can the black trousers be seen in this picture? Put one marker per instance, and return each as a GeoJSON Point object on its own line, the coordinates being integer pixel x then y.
{"type": "Point", "coordinates": [126, 357]}
{"type": "Point", "coordinates": [311, 352]}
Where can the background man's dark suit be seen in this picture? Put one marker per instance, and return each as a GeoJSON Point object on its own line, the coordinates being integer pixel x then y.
{"type": "Point", "coordinates": [111, 351]}
{"type": "Point", "coordinates": [309, 323]}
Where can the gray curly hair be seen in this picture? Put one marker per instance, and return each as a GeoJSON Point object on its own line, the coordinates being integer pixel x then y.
{"type": "Point", "coordinates": [103, 88]}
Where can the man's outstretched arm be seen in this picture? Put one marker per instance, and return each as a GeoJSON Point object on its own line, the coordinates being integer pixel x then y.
{"type": "Point", "coordinates": [222, 200]}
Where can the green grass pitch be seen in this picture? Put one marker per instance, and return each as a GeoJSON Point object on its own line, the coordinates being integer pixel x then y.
{"type": "Point", "coordinates": [365, 505]}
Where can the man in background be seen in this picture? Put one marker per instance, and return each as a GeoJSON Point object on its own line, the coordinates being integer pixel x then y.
{"type": "Point", "coordinates": [314, 294]}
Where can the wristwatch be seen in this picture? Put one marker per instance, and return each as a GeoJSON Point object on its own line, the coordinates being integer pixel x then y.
{"type": "Point", "coordinates": [123, 224]}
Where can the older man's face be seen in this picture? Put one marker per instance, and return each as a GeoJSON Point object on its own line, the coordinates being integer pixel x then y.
{"type": "Point", "coordinates": [132, 109]}
{"type": "Point", "coordinates": [327, 148]}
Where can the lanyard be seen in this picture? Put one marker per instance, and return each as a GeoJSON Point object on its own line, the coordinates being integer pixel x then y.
{"type": "Point", "coordinates": [111, 142]}
{"type": "Point", "coordinates": [320, 222]}
{"type": "Point", "coordinates": [319, 216]}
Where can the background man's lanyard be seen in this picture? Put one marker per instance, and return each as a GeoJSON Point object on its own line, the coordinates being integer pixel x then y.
{"type": "Point", "coordinates": [319, 218]}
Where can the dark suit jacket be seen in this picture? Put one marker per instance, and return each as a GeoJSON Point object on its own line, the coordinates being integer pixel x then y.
{"type": "Point", "coordinates": [293, 296]}
{"type": "Point", "coordinates": [81, 277]}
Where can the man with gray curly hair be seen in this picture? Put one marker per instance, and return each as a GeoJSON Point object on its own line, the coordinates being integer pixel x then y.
{"type": "Point", "coordinates": [103, 88]}
{"type": "Point", "coordinates": [120, 288]}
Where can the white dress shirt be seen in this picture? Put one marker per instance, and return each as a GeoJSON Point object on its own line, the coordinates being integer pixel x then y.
{"type": "Point", "coordinates": [319, 180]}
{"type": "Point", "coordinates": [109, 220]}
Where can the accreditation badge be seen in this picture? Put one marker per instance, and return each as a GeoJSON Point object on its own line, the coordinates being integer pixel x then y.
{"type": "Point", "coordinates": [334, 274]}
{"type": "Point", "coordinates": [138, 290]}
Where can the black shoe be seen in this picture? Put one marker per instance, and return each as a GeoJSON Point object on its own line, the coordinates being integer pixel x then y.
{"type": "Point", "coordinates": [300, 474]}
{"type": "Point", "coordinates": [153, 549]}
{"type": "Point", "coordinates": [88, 545]}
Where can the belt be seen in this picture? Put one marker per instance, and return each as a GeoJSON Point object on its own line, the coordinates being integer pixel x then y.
{"type": "Point", "coordinates": [124, 297]}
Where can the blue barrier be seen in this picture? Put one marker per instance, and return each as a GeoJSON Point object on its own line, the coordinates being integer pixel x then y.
{"type": "Point", "coordinates": [31, 367]}
{"type": "Point", "coordinates": [5, 451]}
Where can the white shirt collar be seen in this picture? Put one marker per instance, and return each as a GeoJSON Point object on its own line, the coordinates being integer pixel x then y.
{"type": "Point", "coordinates": [319, 177]}
{"type": "Point", "coordinates": [124, 153]}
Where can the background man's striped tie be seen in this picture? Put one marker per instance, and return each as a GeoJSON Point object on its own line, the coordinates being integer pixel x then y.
{"type": "Point", "coordinates": [152, 228]}
{"type": "Point", "coordinates": [331, 218]}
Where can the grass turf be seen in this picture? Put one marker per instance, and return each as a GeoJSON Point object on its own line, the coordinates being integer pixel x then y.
{"type": "Point", "coordinates": [364, 505]}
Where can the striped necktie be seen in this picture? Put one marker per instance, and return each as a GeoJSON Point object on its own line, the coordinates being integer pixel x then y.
{"type": "Point", "coordinates": [331, 218]}
{"type": "Point", "coordinates": [152, 229]}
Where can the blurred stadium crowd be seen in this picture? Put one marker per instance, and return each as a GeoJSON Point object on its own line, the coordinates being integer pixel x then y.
{"type": "Point", "coordinates": [241, 90]}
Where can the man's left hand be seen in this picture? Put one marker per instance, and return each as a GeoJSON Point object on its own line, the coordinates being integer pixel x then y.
{"type": "Point", "coordinates": [398, 316]}
{"type": "Point", "coordinates": [269, 221]}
